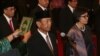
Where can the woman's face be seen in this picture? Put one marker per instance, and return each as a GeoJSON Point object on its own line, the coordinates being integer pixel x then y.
{"type": "Point", "coordinates": [84, 18]}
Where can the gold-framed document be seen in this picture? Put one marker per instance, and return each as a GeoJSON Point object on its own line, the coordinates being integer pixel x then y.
{"type": "Point", "coordinates": [25, 24]}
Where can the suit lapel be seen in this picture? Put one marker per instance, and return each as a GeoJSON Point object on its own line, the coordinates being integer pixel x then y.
{"type": "Point", "coordinates": [5, 29]}
{"type": "Point", "coordinates": [53, 41]}
{"type": "Point", "coordinates": [46, 43]}
{"type": "Point", "coordinates": [67, 8]}
{"type": "Point", "coordinates": [6, 24]}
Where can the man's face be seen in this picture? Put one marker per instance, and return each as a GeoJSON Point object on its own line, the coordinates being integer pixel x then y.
{"type": "Point", "coordinates": [44, 3]}
{"type": "Point", "coordinates": [9, 11]}
{"type": "Point", "coordinates": [73, 3]}
{"type": "Point", "coordinates": [44, 24]}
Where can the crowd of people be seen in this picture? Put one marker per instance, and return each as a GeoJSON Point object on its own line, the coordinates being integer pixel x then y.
{"type": "Point", "coordinates": [71, 20]}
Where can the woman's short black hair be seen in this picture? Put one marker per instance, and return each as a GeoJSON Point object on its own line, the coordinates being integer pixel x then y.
{"type": "Point", "coordinates": [78, 12]}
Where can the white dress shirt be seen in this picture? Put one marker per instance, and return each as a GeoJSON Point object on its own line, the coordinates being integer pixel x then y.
{"type": "Point", "coordinates": [72, 9]}
{"type": "Point", "coordinates": [43, 8]}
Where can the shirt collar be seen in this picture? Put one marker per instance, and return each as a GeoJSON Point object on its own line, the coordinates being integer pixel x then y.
{"type": "Point", "coordinates": [43, 8]}
{"type": "Point", "coordinates": [42, 34]}
{"type": "Point", "coordinates": [82, 29]}
{"type": "Point", "coordinates": [71, 8]}
{"type": "Point", "coordinates": [7, 18]}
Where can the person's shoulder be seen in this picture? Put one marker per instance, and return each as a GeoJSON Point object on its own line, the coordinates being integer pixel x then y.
{"type": "Point", "coordinates": [52, 34]}
{"type": "Point", "coordinates": [2, 17]}
{"type": "Point", "coordinates": [36, 8]}
{"type": "Point", "coordinates": [35, 35]}
{"type": "Point", "coordinates": [34, 39]}
{"type": "Point", "coordinates": [88, 28]}
{"type": "Point", "coordinates": [73, 29]}
{"type": "Point", "coordinates": [64, 9]}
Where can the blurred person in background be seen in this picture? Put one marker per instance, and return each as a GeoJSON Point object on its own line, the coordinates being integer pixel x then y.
{"type": "Point", "coordinates": [9, 24]}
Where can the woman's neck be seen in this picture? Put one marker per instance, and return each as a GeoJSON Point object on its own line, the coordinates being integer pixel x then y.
{"type": "Point", "coordinates": [80, 26]}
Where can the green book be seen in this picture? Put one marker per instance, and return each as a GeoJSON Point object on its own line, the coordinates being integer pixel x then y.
{"type": "Point", "coordinates": [25, 24]}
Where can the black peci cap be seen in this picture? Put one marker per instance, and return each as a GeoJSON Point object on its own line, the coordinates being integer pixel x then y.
{"type": "Point", "coordinates": [6, 3]}
{"type": "Point", "coordinates": [41, 14]}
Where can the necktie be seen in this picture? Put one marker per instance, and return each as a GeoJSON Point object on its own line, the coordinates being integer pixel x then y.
{"type": "Point", "coordinates": [11, 25]}
{"type": "Point", "coordinates": [49, 44]}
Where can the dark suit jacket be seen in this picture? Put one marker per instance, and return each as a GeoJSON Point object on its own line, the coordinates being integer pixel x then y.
{"type": "Point", "coordinates": [35, 10]}
{"type": "Point", "coordinates": [97, 28]}
{"type": "Point", "coordinates": [38, 47]}
{"type": "Point", "coordinates": [5, 29]}
{"type": "Point", "coordinates": [66, 19]}
{"type": "Point", "coordinates": [97, 21]}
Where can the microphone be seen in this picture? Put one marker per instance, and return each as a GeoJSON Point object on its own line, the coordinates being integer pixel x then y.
{"type": "Point", "coordinates": [62, 34]}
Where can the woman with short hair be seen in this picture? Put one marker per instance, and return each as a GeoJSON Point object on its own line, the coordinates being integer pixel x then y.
{"type": "Point", "coordinates": [80, 34]}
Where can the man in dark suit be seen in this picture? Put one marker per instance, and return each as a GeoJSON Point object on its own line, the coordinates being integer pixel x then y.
{"type": "Point", "coordinates": [41, 6]}
{"type": "Point", "coordinates": [66, 19]}
{"type": "Point", "coordinates": [8, 24]}
{"type": "Point", "coordinates": [38, 44]}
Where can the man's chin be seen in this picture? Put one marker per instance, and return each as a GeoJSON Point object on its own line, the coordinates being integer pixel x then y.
{"type": "Point", "coordinates": [48, 29]}
{"type": "Point", "coordinates": [12, 16]}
